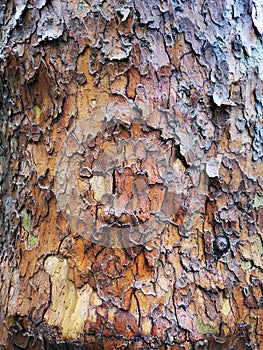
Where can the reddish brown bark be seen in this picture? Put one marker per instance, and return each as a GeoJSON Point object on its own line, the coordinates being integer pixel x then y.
{"type": "Point", "coordinates": [131, 175]}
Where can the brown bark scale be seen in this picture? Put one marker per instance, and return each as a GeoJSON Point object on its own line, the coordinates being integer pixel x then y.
{"type": "Point", "coordinates": [131, 174]}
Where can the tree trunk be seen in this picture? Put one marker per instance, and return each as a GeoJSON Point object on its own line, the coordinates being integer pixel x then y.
{"type": "Point", "coordinates": [131, 174]}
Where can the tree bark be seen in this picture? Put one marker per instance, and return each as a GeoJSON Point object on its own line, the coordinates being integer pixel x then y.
{"type": "Point", "coordinates": [131, 174]}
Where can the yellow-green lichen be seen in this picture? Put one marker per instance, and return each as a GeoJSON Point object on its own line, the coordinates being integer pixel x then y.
{"type": "Point", "coordinates": [206, 329]}
{"type": "Point", "coordinates": [260, 244]}
{"type": "Point", "coordinates": [168, 295]}
{"type": "Point", "coordinates": [37, 111]}
{"type": "Point", "coordinates": [62, 198]}
{"type": "Point", "coordinates": [226, 307]}
{"type": "Point", "coordinates": [10, 321]}
{"type": "Point", "coordinates": [258, 201]}
{"type": "Point", "coordinates": [152, 287]}
{"type": "Point", "coordinates": [246, 265]}
{"type": "Point", "coordinates": [26, 220]}
{"type": "Point", "coordinates": [32, 241]}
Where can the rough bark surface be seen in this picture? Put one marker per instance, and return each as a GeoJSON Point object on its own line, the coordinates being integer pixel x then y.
{"type": "Point", "coordinates": [121, 118]}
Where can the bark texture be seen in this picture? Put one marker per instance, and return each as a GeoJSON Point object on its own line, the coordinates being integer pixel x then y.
{"type": "Point", "coordinates": [131, 174]}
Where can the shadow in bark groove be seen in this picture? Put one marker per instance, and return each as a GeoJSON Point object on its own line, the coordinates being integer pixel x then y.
{"type": "Point", "coordinates": [24, 335]}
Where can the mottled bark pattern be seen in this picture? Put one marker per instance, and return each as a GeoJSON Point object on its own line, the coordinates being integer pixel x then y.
{"type": "Point", "coordinates": [180, 79]}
